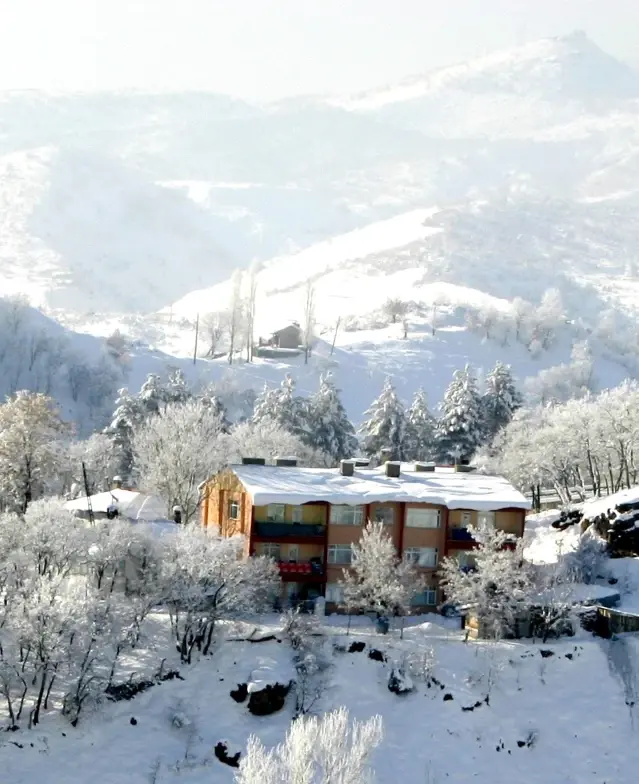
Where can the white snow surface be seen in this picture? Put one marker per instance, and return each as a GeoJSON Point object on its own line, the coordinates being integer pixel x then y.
{"type": "Point", "coordinates": [599, 506]}
{"type": "Point", "coordinates": [129, 503]}
{"type": "Point", "coordinates": [446, 487]}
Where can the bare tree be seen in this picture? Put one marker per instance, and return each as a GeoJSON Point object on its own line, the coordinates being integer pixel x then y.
{"type": "Point", "coordinates": [215, 327]}
{"type": "Point", "coordinates": [309, 319]}
{"type": "Point", "coordinates": [435, 309]}
{"type": "Point", "coordinates": [236, 314]}
{"type": "Point", "coordinates": [395, 309]}
{"type": "Point", "coordinates": [251, 297]}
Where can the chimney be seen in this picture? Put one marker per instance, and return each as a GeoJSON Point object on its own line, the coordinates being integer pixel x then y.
{"type": "Point", "coordinates": [253, 461]}
{"type": "Point", "coordinates": [460, 468]}
{"type": "Point", "coordinates": [288, 462]}
{"type": "Point", "coordinates": [346, 467]}
{"type": "Point", "coordinates": [385, 454]}
{"type": "Point", "coordinates": [117, 482]}
{"type": "Point", "coordinates": [393, 468]}
{"type": "Point", "coordinates": [424, 467]}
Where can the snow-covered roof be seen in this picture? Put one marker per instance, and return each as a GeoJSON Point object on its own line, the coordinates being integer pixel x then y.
{"type": "Point", "coordinates": [599, 506]}
{"type": "Point", "coordinates": [444, 486]}
{"type": "Point", "coordinates": [129, 503]}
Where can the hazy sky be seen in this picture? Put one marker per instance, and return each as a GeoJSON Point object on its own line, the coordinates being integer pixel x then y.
{"type": "Point", "coordinates": [272, 48]}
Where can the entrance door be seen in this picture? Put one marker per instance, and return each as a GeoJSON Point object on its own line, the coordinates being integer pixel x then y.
{"type": "Point", "coordinates": [293, 553]}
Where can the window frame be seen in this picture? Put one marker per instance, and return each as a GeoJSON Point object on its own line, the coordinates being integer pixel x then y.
{"type": "Point", "coordinates": [428, 593]}
{"type": "Point", "coordinates": [436, 512]}
{"type": "Point", "coordinates": [410, 552]}
{"type": "Point", "coordinates": [266, 547]}
{"type": "Point", "coordinates": [297, 512]}
{"type": "Point", "coordinates": [332, 553]}
{"type": "Point", "coordinates": [486, 520]}
{"type": "Point", "coordinates": [381, 508]}
{"type": "Point", "coordinates": [337, 590]}
{"type": "Point", "coordinates": [236, 504]}
{"type": "Point", "coordinates": [466, 518]}
{"type": "Point", "coordinates": [336, 514]}
{"type": "Point", "coordinates": [272, 518]}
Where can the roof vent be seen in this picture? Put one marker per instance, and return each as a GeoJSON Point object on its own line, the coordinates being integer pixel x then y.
{"type": "Point", "coordinates": [361, 462]}
{"type": "Point", "coordinates": [393, 468]}
{"type": "Point", "coordinates": [289, 462]}
{"type": "Point", "coordinates": [423, 467]}
{"type": "Point", "coordinates": [253, 461]}
{"type": "Point", "coordinates": [460, 468]}
{"type": "Point", "coordinates": [346, 467]}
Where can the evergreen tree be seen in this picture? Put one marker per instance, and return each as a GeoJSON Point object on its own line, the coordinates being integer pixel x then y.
{"type": "Point", "coordinates": [460, 429]}
{"type": "Point", "coordinates": [419, 437]}
{"type": "Point", "coordinates": [151, 396]}
{"type": "Point", "coordinates": [284, 408]}
{"type": "Point", "coordinates": [330, 430]}
{"type": "Point", "coordinates": [384, 425]}
{"type": "Point", "coordinates": [500, 400]}
{"type": "Point", "coordinates": [177, 390]}
{"type": "Point", "coordinates": [128, 414]}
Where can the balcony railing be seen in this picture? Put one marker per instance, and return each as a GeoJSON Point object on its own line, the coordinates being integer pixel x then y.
{"type": "Point", "coordinates": [303, 568]}
{"type": "Point", "coordinates": [460, 535]}
{"type": "Point", "coordinates": [288, 530]}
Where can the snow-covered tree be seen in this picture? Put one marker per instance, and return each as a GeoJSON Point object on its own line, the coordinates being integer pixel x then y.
{"type": "Point", "coordinates": [329, 429]}
{"type": "Point", "coordinates": [497, 589]}
{"type": "Point", "coordinates": [205, 578]}
{"type": "Point", "coordinates": [460, 428]}
{"type": "Point", "coordinates": [236, 315]}
{"type": "Point", "coordinates": [378, 581]}
{"type": "Point", "coordinates": [283, 407]}
{"type": "Point", "coordinates": [175, 451]}
{"type": "Point", "coordinates": [500, 400]}
{"type": "Point", "coordinates": [31, 445]}
{"type": "Point", "coordinates": [100, 460]}
{"type": "Point", "coordinates": [128, 415]}
{"type": "Point", "coordinates": [315, 751]}
{"type": "Point", "coordinates": [384, 423]}
{"type": "Point", "coordinates": [395, 309]}
{"type": "Point", "coordinates": [309, 319]}
{"type": "Point", "coordinates": [266, 440]}
{"type": "Point", "coordinates": [215, 327]}
{"type": "Point", "coordinates": [419, 436]}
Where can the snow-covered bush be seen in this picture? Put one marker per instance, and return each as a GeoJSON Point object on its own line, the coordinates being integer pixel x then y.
{"type": "Point", "coordinates": [587, 561]}
{"type": "Point", "coordinates": [316, 750]}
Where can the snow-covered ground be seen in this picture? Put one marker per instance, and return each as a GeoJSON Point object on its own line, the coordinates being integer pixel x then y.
{"type": "Point", "coordinates": [564, 719]}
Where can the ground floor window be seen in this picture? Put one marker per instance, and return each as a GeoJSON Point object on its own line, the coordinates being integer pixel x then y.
{"type": "Point", "coordinates": [340, 554]}
{"type": "Point", "coordinates": [234, 510]}
{"type": "Point", "coordinates": [425, 598]}
{"type": "Point", "coordinates": [270, 550]}
{"type": "Point", "coordinates": [334, 593]}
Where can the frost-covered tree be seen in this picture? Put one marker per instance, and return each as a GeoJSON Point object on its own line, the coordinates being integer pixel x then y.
{"type": "Point", "coordinates": [378, 581]}
{"type": "Point", "coordinates": [101, 463]}
{"type": "Point", "coordinates": [214, 327]}
{"type": "Point", "coordinates": [500, 400]}
{"type": "Point", "coordinates": [315, 751]}
{"type": "Point", "coordinates": [282, 406]}
{"type": "Point", "coordinates": [384, 423]}
{"type": "Point", "coordinates": [395, 309]}
{"type": "Point", "coordinates": [32, 437]}
{"type": "Point", "coordinates": [205, 578]}
{"type": "Point", "coordinates": [175, 451]}
{"type": "Point", "coordinates": [460, 428]}
{"type": "Point", "coordinates": [128, 415]}
{"type": "Point", "coordinates": [419, 436]}
{"type": "Point", "coordinates": [266, 440]}
{"type": "Point", "coordinates": [329, 429]}
{"type": "Point", "coordinates": [498, 587]}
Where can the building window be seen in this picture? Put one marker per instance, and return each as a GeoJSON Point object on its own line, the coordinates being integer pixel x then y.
{"type": "Point", "coordinates": [465, 560]}
{"type": "Point", "coordinates": [485, 520]}
{"type": "Point", "coordinates": [340, 554]}
{"type": "Point", "coordinates": [270, 550]}
{"type": "Point", "coordinates": [466, 519]}
{"type": "Point", "coordinates": [421, 556]}
{"type": "Point", "coordinates": [384, 514]}
{"type": "Point", "coordinates": [334, 593]}
{"type": "Point", "coordinates": [293, 553]}
{"type": "Point", "coordinates": [341, 514]}
{"type": "Point", "coordinates": [276, 513]}
{"type": "Point", "coordinates": [298, 514]}
{"type": "Point", "coordinates": [422, 518]}
{"type": "Point", "coordinates": [234, 510]}
{"type": "Point", "coordinates": [427, 598]}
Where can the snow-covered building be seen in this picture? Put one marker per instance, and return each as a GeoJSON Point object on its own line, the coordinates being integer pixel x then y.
{"type": "Point", "coordinates": [128, 504]}
{"type": "Point", "coordinates": [308, 518]}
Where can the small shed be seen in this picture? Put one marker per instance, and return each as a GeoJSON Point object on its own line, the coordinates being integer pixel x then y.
{"type": "Point", "coordinates": [287, 337]}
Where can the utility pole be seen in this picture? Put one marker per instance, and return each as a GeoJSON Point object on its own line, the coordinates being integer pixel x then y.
{"type": "Point", "coordinates": [197, 332]}
{"type": "Point", "coordinates": [335, 335]}
{"type": "Point", "coordinates": [88, 494]}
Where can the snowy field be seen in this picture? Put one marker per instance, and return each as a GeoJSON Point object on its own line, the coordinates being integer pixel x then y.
{"type": "Point", "coordinates": [563, 718]}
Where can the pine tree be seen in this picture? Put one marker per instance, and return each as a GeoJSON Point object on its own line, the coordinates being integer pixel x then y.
{"type": "Point", "coordinates": [284, 408]}
{"type": "Point", "coordinates": [384, 426]}
{"type": "Point", "coordinates": [177, 390]}
{"type": "Point", "coordinates": [329, 428]}
{"type": "Point", "coordinates": [460, 429]}
{"type": "Point", "coordinates": [500, 400]}
{"type": "Point", "coordinates": [129, 414]}
{"type": "Point", "coordinates": [419, 438]}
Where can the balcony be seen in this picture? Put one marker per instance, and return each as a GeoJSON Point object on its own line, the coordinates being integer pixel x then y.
{"type": "Point", "coordinates": [462, 535]}
{"type": "Point", "coordinates": [302, 570]}
{"type": "Point", "coordinates": [289, 531]}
